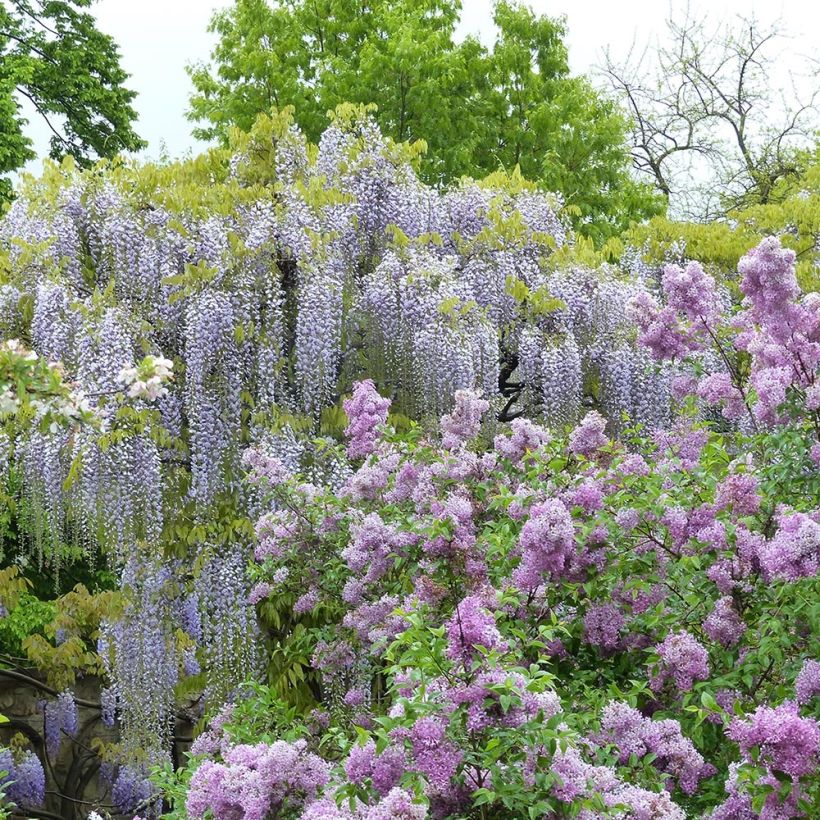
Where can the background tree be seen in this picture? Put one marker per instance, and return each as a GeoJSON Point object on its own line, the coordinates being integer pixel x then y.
{"type": "Point", "coordinates": [792, 213]}
{"type": "Point", "coordinates": [711, 113]}
{"type": "Point", "coordinates": [53, 55]}
{"type": "Point", "coordinates": [477, 109]}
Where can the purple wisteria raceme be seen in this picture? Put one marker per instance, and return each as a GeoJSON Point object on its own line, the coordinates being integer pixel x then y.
{"type": "Point", "coordinates": [59, 716]}
{"type": "Point", "coordinates": [682, 659]}
{"type": "Point", "coordinates": [25, 781]}
{"type": "Point", "coordinates": [367, 413]}
{"type": "Point", "coordinates": [131, 789]}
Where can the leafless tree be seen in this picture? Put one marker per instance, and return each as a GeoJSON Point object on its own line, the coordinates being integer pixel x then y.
{"type": "Point", "coordinates": [711, 126]}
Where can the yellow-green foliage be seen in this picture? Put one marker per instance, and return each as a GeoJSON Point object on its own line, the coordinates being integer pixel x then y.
{"type": "Point", "coordinates": [77, 617]}
{"type": "Point", "coordinates": [793, 214]}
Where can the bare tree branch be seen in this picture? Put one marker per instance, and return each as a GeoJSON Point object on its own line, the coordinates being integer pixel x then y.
{"type": "Point", "coordinates": [709, 129]}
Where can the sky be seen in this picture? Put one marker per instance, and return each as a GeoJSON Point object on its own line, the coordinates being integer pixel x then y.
{"type": "Point", "coordinates": [157, 38]}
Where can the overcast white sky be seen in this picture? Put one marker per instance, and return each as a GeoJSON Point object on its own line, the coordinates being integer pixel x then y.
{"type": "Point", "coordinates": [157, 38]}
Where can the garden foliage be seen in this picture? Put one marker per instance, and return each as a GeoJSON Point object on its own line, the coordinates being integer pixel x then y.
{"type": "Point", "coordinates": [565, 562]}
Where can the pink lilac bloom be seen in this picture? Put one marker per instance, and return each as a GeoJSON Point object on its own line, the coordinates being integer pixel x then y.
{"type": "Point", "coordinates": [768, 280]}
{"type": "Point", "coordinates": [807, 685]}
{"type": "Point", "coordinates": [256, 780]}
{"type": "Point", "coordinates": [771, 385]}
{"type": "Point", "coordinates": [690, 291]}
{"type": "Point", "coordinates": [436, 757]}
{"type": "Point", "coordinates": [388, 769]}
{"type": "Point", "coordinates": [464, 423]}
{"type": "Point", "coordinates": [738, 805]}
{"type": "Point", "coordinates": [259, 592]}
{"type": "Point", "coordinates": [718, 389]}
{"type": "Point", "coordinates": [681, 387]}
{"type": "Point", "coordinates": [526, 438]}
{"type": "Point", "coordinates": [483, 701]}
{"type": "Point", "coordinates": [814, 454]}
{"type": "Point", "coordinates": [628, 518]}
{"type": "Point", "coordinates": [723, 624]}
{"type": "Point", "coordinates": [660, 329]}
{"type": "Point", "coordinates": [682, 659]}
{"type": "Point", "coordinates": [470, 626]}
{"type": "Point", "coordinates": [263, 467]}
{"type": "Point", "coordinates": [397, 804]}
{"type": "Point", "coordinates": [786, 742]}
{"type": "Point", "coordinates": [589, 437]}
{"type": "Point", "coordinates": [794, 551]}
{"type": "Point", "coordinates": [633, 464]}
{"type": "Point", "coordinates": [407, 477]}
{"type": "Point", "coordinates": [326, 809]}
{"type": "Point", "coordinates": [372, 544]}
{"type": "Point", "coordinates": [602, 626]}
{"type": "Point", "coordinates": [676, 521]}
{"type": "Point", "coordinates": [725, 699]}
{"type": "Point", "coordinates": [368, 482]}
{"type": "Point", "coordinates": [740, 492]}
{"type": "Point", "coordinates": [813, 396]}
{"type": "Point", "coordinates": [579, 779]}
{"type": "Point", "coordinates": [367, 414]}
{"type": "Point", "coordinates": [274, 532]}
{"type": "Point", "coordinates": [307, 602]}
{"type": "Point", "coordinates": [588, 496]}
{"type": "Point", "coordinates": [683, 442]}
{"type": "Point", "coordinates": [359, 764]}
{"type": "Point", "coordinates": [632, 733]}
{"type": "Point", "coordinates": [547, 542]}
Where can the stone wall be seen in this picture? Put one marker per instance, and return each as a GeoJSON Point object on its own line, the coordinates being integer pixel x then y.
{"type": "Point", "coordinates": [73, 783]}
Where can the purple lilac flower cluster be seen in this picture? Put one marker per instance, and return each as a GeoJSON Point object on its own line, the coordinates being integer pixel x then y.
{"type": "Point", "coordinates": [255, 781]}
{"type": "Point", "coordinates": [367, 412]}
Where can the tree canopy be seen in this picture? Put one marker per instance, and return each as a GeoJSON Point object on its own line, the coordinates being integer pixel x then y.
{"type": "Point", "coordinates": [53, 55]}
{"type": "Point", "coordinates": [477, 109]}
{"type": "Point", "coordinates": [712, 127]}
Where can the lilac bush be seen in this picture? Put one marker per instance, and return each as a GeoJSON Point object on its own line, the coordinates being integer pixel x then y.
{"type": "Point", "coordinates": [505, 596]}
